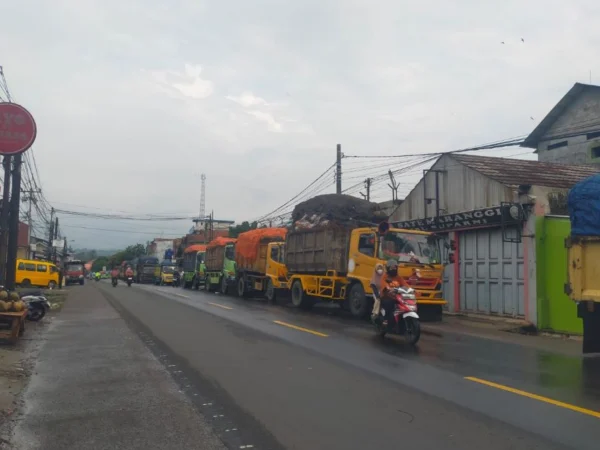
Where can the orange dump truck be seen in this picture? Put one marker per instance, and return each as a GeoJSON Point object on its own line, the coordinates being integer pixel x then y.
{"type": "Point", "coordinates": [259, 257]}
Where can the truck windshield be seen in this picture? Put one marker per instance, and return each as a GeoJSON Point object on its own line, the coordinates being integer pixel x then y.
{"type": "Point", "coordinates": [74, 267]}
{"type": "Point", "coordinates": [229, 252]}
{"type": "Point", "coordinates": [168, 269]}
{"type": "Point", "coordinates": [409, 247]}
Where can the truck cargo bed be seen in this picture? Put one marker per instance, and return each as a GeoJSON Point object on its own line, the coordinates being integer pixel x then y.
{"type": "Point", "coordinates": [257, 265]}
{"type": "Point", "coordinates": [317, 251]}
{"type": "Point", "coordinates": [215, 258]}
{"type": "Point", "coordinates": [583, 259]}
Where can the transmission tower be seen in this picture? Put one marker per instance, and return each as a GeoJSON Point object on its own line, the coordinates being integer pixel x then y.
{"type": "Point", "coordinates": [202, 197]}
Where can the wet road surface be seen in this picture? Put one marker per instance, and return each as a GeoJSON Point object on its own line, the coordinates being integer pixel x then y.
{"type": "Point", "coordinates": [289, 379]}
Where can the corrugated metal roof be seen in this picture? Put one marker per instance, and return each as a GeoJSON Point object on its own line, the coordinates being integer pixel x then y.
{"type": "Point", "coordinates": [538, 133]}
{"type": "Point", "coordinates": [514, 172]}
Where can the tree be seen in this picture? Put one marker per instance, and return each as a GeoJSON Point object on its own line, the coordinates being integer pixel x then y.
{"type": "Point", "coordinates": [129, 253]}
{"type": "Point", "coordinates": [99, 263]}
{"type": "Point", "coordinates": [235, 230]}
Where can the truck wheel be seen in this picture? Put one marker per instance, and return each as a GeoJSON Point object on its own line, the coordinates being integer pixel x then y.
{"type": "Point", "coordinates": [358, 302]}
{"type": "Point", "coordinates": [299, 297]}
{"type": "Point", "coordinates": [241, 287]}
{"type": "Point", "coordinates": [270, 294]}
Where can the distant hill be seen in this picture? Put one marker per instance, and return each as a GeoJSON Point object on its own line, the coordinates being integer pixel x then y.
{"type": "Point", "coordinates": [87, 254]}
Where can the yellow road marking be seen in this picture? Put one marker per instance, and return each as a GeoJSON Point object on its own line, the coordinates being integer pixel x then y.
{"type": "Point", "coordinates": [306, 330]}
{"type": "Point", "coordinates": [181, 295]}
{"type": "Point", "coordinates": [220, 306]}
{"type": "Point", "coordinates": [589, 412]}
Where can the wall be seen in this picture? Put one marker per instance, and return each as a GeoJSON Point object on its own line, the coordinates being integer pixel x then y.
{"type": "Point", "coordinates": [556, 311]}
{"type": "Point", "coordinates": [461, 189]}
{"type": "Point", "coordinates": [584, 114]}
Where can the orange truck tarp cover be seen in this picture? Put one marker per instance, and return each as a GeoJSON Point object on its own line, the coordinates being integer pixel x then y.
{"type": "Point", "coordinates": [249, 242]}
{"type": "Point", "coordinates": [220, 242]}
{"type": "Point", "coordinates": [195, 248]}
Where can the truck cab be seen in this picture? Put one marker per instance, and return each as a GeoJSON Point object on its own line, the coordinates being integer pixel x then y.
{"type": "Point", "coordinates": [277, 273]}
{"type": "Point", "coordinates": [74, 272]}
{"type": "Point", "coordinates": [419, 263]}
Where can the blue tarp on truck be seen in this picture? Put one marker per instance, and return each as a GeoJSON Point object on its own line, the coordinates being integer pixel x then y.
{"type": "Point", "coordinates": [584, 207]}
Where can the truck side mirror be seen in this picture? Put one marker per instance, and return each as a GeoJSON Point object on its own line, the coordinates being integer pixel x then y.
{"type": "Point", "coordinates": [383, 227]}
{"type": "Point", "coordinates": [451, 258]}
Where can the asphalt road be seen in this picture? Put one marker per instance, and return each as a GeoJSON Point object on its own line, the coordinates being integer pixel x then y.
{"type": "Point", "coordinates": [279, 378]}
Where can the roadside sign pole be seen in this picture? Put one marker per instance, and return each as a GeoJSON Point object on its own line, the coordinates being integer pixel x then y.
{"type": "Point", "coordinates": [6, 163]}
{"type": "Point", "coordinates": [13, 223]}
{"type": "Point", "coordinates": [17, 134]}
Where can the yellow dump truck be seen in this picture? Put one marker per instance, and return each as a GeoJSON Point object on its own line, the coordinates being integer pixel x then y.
{"type": "Point", "coordinates": [259, 262]}
{"type": "Point", "coordinates": [583, 258]}
{"type": "Point", "coordinates": [337, 263]}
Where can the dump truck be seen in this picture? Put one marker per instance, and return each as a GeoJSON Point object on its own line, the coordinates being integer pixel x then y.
{"type": "Point", "coordinates": [259, 262]}
{"type": "Point", "coordinates": [163, 273]}
{"type": "Point", "coordinates": [337, 263]}
{"type": "Point", "coordinates": [220, 264]}
{"type": "Point", "coordinates": [144, 269]}
{"type": "Point", "coordinates": [74, 272]}
{"type": "Point", "coordinates": [583, 258]}
{"type": "Point", "coordinates": [194, 268]}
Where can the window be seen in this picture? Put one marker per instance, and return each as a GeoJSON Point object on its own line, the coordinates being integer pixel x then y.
{"type": "Point", "coordinates": [592, 135]}
{"type": "Point", "coordinates": [53, 269]}
{"type": "Point", "coordinates": [30, 267]}
{"type": "Point", "coordinates": [366, 244]}
{"type": "Point", "coordinates": [21, 266]}
{"type": "Point", "coordinates": [557, 145]}
{"type": "Point", "coordinates": [230, 252]}
{"type": "Point", "coordinates": [42, 268]}
{"type": "Point", "coordinates": [596, 152]}
{"type": "Point", "coordinates": [275, 254]}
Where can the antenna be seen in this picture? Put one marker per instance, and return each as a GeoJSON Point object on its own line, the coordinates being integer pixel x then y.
{"type": "Point", "coordinates": [202, 197]}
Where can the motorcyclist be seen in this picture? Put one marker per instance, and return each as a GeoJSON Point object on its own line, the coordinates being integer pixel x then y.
{"type": "Point", "coordinates": [389, 282]}
{"type": "Point", "coordinates": [375, 284]}
{"type": "Point", "coordinates": [129, 272]}
{"type": "Point", "coordinates": [114, 274]}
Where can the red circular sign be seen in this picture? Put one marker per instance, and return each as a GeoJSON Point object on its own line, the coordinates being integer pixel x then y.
{"type": "Point", "coordinates": [17, 129]}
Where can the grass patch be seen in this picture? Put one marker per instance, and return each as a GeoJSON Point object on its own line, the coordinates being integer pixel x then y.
{"type": "Point", "coordinates": [57, 298]}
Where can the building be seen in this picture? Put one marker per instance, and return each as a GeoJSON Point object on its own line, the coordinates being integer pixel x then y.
{"type": "Point", "coordinates": [159, 246]}
{"type": "Point", "coordinates": [489, 206]}
{"type": "Point", "coordinates": [570, 133]}
{"type": "Point", "coordinates": [23, 249]}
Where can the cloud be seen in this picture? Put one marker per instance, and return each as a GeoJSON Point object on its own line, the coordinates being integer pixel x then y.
{"type": "Point", "coordinates": [268, 119]}
{"type": "Point", "coordinates": [247, 99]}
{"type": "Point", "coordinates": [188, 83]}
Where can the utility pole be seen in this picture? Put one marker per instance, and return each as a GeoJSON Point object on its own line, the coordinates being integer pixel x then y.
{"type": "Point", "coordinates": [13, 223]}
{"type": "Point", "coordinates": [202, 211]}
{"type": "Point", "coordinates": [54, 239]}
{"type": "Point", "coordinates": [30, 198]}
{"type": "Point", "coordinates": [367, 196]}
{"type": "Point", "coordinates": [338, 170]}
{"type": "Point", "coordinates": [50, 235]}
{"type": "Point", "coordinates": [6, 163]}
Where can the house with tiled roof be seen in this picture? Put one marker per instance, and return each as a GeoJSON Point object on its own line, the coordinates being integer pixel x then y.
{"type": "Point", "coordinates": [492, 209]}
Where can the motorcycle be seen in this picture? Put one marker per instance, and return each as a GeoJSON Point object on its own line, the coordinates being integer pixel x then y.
{"type": "Point", "coordinates": [114, 282]}
{"type": "Point", "coordinates": [403, 320]}
{"type": "Point", "coordinates": [37, 307]}
{"type": "Point", "coordinates": [176, 280]}
{"type": "Point", "coordinates": [129, 281]}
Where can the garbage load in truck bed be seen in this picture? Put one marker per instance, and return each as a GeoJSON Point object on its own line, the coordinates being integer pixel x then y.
{"type": "Point", "coordinates": [215, 253]}
{"type": "Point", "coordinates": [320, 236]}
{"type": "Point", "coordinates": [251, 248]}
{"type": "Point", "coordinates": [336, 210]}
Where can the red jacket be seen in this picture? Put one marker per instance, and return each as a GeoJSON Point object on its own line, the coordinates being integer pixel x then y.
{"type": "Point", "coordinates": [129, 273]}
{"type": "Point", "coordinates": [114, 273]}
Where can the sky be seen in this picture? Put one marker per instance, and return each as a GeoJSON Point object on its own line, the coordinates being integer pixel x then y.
{"type": "Point", "coordinates": [135, 99]}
